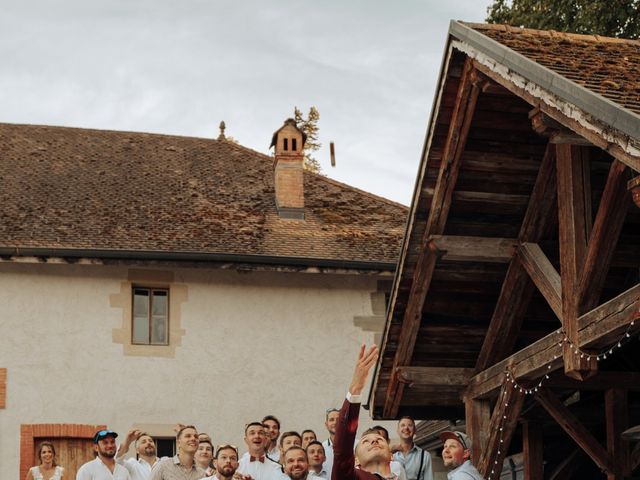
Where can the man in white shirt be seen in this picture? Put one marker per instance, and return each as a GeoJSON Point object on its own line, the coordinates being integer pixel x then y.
{"type": "Point", "coordinates": [256, 463]}
{"type": "Point", "coordinates": [145, 447]}
{"type": "Point", "coordinates": [272, 430]}
{"type": "Point", "coordinates": [330, 421]}
{"type": "Point", "coordinates": [316, 458]}
{"type": "Point", "coordinates": [416, 461]}
{"type": "Point", "coordinates": [104, 466]}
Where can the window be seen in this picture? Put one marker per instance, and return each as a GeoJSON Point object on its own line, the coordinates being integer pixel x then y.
{"type": "Point", "coordinates": [150, 316]}
{"type": "Point", "coordinates": [285, 144]}
{"type": "Point", "coordinates": [294, 144]}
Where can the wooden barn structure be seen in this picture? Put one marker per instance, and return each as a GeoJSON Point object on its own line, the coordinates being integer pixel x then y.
{"type": "Point", "coordinates": [514, 300]}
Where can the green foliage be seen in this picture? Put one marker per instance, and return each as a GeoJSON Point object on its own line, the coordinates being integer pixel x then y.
{"type": "Point", "coordinates": [610, 18]}
{"type": "Point", "coordinates": [309, 126]}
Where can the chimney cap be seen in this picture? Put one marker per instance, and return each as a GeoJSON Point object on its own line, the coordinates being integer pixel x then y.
{"type": "Point", "coordinates": [288, 122]}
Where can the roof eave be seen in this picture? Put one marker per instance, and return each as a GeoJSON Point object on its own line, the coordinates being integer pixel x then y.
{"type": "Point", "coordinates": [596, 105]}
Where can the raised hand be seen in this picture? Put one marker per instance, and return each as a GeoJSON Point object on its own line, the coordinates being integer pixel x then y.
{"type": "Point", "coordinates": [366, 360]}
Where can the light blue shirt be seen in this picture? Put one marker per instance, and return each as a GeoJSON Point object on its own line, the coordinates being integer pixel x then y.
{"type": "Point", "coordinates": [466, 471]}
{"type": "Point", "coordinates": [411, 463]}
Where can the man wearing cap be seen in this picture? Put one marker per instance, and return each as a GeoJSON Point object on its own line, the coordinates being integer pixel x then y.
{"type": "Point", "coordinates": [104, 466]}
{"type": "Point", "coordinates": [372, 451]}
{"type": "Point", "coordinates": [456, 456]}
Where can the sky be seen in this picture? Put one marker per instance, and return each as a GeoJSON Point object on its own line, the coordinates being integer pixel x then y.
{"type": "Point", "coordinates": [180, 67]}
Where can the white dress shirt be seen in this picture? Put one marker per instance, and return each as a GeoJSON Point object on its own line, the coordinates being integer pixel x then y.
{"type": "Point", "coordinates": [96, 470]}
{"type": "Point", "coordinates": [267, 470]}
{"type": "Point", "coordinates": [328, 452]}
{"type": "Point", "coordinates": [138, 469]}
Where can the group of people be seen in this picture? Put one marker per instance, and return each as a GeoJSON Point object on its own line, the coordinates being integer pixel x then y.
{"type": "Point", "coordinates": [274, 456]}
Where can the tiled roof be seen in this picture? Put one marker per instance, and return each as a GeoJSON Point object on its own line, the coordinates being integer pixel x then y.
{"type": "Point", "coordinates": [609, 67]}
{"type": "Point", "coordinates": [90, 189]}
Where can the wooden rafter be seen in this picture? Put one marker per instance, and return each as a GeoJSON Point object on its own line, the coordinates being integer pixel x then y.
{"type": "Point", "coordinates": [611, 318]}
{"type": "Point", "coordinates": [472, 249]}
{"type": "Point", "coordinates": [574, 225]}
{"type": "Point", "coordinates": [594, 137]}
{"type": "Point", "coordinates": [427, 376]}
{"type": "Point", "coordinates": [572, 426]}
{"type": "Point", "coordinates": [478, 423]}
{"type": "Point", "coordinates": [543, 274]}
{"type": "Point", "coordinates": [504, 421]}
{"type": "Point", "coordinates": [517, 287]}
{"type": "Point", "coordinates": [466, 99]}
{"type": "Point", "coordinates": [604, 236]}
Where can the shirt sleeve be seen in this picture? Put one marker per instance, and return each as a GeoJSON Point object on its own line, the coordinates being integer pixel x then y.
{"type": "Point", "coordinates": [343, 457]}
{"type": "Point", "coordinates": [427, 468]}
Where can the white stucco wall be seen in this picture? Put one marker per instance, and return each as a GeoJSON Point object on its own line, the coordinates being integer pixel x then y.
{"type": "Point", "coordinates": [255, 344]}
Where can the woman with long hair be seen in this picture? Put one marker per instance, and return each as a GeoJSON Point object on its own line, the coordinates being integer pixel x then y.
{"type": "Point", "coordinates": [48, 468]}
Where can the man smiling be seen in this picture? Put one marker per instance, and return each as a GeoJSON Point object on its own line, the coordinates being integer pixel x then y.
{"type": "Point", "coordinates": [182, 465]}
{"type": "Point", "coordinates": [295, 463]}
{"type": "Point", "coordinates": [456, 456]}
{"type": "Point", "coordinates": [104, 466]}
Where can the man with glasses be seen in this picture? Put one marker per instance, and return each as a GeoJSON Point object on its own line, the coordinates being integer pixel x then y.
{"type": "Point", "coordinates": [145, 447]}
{"type": "Point", "coordinates": [226, 462]}
{"type": "Point", "coordinates": [104, 466]}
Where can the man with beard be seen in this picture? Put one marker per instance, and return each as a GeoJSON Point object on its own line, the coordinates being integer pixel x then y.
{"type": "Point", "coordinates": [104, 466]}
{"type": "Point", "coordinates": [372, 451]}
{"type": "Point", "coordinates": [226, 463]}
{"type": "Point", "coordinates": [182, 466]}
{"type": "Point", "coordinates": [295, 463]}
{"type": "Point", "coordinates": [145, 448]}
{"type": "Point", "coordinates": [456, 456]}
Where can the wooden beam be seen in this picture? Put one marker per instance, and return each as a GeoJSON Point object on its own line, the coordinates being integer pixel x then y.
{"type": "Point", "coordinates": [546, 126]}
{"type": "Point", "coordinates": [532, 447]}
{"type": "Point", "coordinates": [617, 415]}
{"type": "Point", "coordinates": [467, 96]}
{"type": "Point", "coordinates": [543, 274]}
{"type": "Point", "coordinates": [473, 249]}
{"type": "Point", "coordinates": [478, 424]}
{"type": "Point", "coordinates": [604, 236]}
{"type": "Point", "coordinates": [426, 376]}
{"type": "Point", "coordinates": [572, 426]}
{"type": "Point", "coordinates": [517, 288]}
{"type": "Point", "coordinates": [574, 220]}
{"type": "Point", "coordinates": [611, 318]}
{"type": "Point", "coordinates": [509, 405]}
{"type": "Point", "coordinates": [596, 138]}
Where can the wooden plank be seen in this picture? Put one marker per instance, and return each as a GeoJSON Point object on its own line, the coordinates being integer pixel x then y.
{"type": "Point", "coordinates": [509, 405]}
{"type": "Point", "coordinates": [594, 137]}
{"type": "Point", "coordinates": [517, 288]}
{"type": "Point", "coordinates": [427, 376]}
{"type": "Point", "coordinates": [478, 424]}
{"type": "Point", "coordinates": [532, 446]}
{"type": "Point", "coordinates": [604, 236]}
{"type": "Point", "coordinates": [473, 249]}
{"type": "Point", "coordinates": [572, 426]}
{"type": "Point", "coordinates": [574, 220]}
{"type": "Point", "coordinates": [616, 407]}
{"type": "Point", "coordinates": [543, 274]}
{"type": "Point", "coordinates": [466, 99]}
{"type": "Point", "coordinates": [533, 361]}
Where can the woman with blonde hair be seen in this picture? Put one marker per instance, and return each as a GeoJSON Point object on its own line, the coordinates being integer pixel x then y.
{"type": "Point", "coordinates": [48, 468]}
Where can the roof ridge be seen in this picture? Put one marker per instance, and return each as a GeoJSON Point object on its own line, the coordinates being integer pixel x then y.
{"type": "Point", "coordinates": [549, 33]}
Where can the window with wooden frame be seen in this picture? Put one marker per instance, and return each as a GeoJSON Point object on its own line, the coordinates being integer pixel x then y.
{"type": "Point", "coordinates": [150, 325]}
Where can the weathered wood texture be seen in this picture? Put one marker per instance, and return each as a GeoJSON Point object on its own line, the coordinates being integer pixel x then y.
{"type": "Point", "coordinates": [533, 449]}
{"type": "Point", "coordinates": [543, 274]}
{"type": "Point", "coordinates": [617, 417]}
{"type": "Point", "coordinates": [466, 99]}
{"type": "Point", "coordinates": [478, 424]}
{"type": "Point", "coordinates": [517, 288]}
{"type": "Point", "coordinates": [504, 421]}
{"type": "Point", "coordinates": [572, 426]}
{"type": "Point", "coordinates": [574, 219]}
{"type": "Point", "coordinates": [473, 249]}
{"type": "Point", "coordinates": [611, 318]}
{"type": "Point", "coordinates": [425, 376]}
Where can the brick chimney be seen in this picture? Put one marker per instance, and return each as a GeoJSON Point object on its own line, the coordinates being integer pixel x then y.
{"type": "Point", "coordinates": [288, 142]}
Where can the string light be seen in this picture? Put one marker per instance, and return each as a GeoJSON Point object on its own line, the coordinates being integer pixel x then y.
{"type": "Point", "coordinates": [575, 349]}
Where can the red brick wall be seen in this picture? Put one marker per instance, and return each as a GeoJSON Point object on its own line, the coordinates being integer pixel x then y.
{"type": "Point", "coordinates": [28, 434]}
{"type": "Point", "coordinates": [3, 388]}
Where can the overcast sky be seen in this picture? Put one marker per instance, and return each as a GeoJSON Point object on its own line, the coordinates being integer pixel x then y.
{"type": "Point", "coordinates": [180, 67]}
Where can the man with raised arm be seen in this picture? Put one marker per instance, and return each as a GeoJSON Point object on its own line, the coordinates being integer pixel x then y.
{"type": "Point", "coordinates": [372, 451]}
{"type": "Point", "coordinates": [145, 446]}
